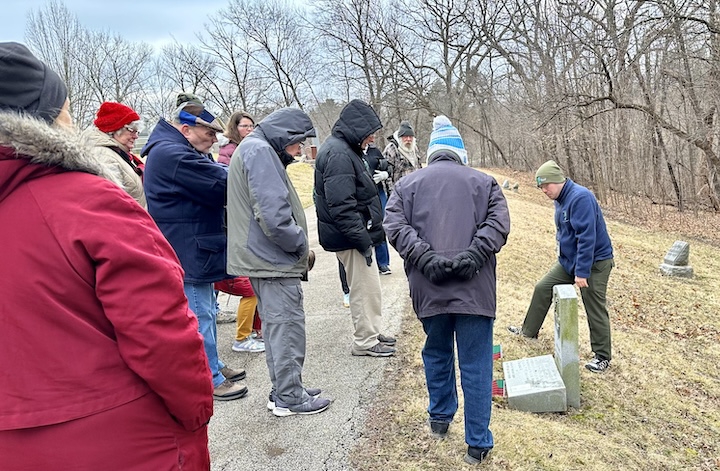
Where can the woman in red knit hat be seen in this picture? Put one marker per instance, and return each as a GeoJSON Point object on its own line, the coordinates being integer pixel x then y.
{"type": "Point", "coordinates": [116, 129]}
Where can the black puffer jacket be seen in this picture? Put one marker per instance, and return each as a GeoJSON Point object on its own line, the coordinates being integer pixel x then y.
{"type": "Point", "coordinates": [346, 198]}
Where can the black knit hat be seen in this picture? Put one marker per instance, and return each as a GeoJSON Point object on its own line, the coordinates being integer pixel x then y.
{"type": "Point", "coordinates": [28, 85]}
{"type": "Point", "coordinates": [405, 129]}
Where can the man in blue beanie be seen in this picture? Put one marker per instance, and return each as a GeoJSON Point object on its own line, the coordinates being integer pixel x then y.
{"type": "Point", "coordinates": [447, 222]}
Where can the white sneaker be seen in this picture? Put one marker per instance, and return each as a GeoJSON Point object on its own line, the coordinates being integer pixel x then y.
{"type": "Point", "coordinates": [346, 300]}
{"type": "Point", "coordinates": [249, 345]}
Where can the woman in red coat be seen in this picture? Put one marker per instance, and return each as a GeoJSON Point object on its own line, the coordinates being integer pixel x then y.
{"type": "Point", "coordinates": [101, 362]}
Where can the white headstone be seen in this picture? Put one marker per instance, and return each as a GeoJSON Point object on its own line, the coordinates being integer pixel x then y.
{"type": "Point", "coordinates": [567, 355]}
{"type": "Point", "coordinates": [534, 385]}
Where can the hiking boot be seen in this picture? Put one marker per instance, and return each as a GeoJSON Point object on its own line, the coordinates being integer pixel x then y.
{"type": "Point", "coordinates": [518, 331]}
{"type": "Point", "coordinates": [438, 429]}
{"type": "Point", "coordinates": [387, 340]}
{"type": "Point", "coordinates": [346, 300]}
{"type": "Point", "coordinates": [385, 270]}
{"type": "Point", "coordinates": [232, 375]}
{"type": "Point", "coordinates": [249, 345]}
{"type": "Point", "coordinates": [314, 405]}
{"type": "Point", "coordinates": [476, 455]}
{"type": "Point", "coordinates": [312, 392]}
{"type": "Point", "coordinates": [598, 364]}
{"type": "Point", "coordinates": [229, 391]}
{"type": "Point", "coordinates": [377, 350]}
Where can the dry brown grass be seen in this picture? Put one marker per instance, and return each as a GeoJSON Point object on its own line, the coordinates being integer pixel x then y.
{"type": "Point", "coordinates": [302, 176]}
{"type": "Point", "coordinates": [658, 407]}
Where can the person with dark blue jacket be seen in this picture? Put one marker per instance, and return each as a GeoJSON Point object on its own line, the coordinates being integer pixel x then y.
{"type": "Point", "coordinates": [185, 191]}
{"type": "Point", "coordinates": [585, 258]}
{"type": "Point", "coordinates": [447, 221]}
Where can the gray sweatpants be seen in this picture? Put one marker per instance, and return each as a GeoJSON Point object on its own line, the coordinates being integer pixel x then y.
{"type": "Point", "coordinates": [280, 305]}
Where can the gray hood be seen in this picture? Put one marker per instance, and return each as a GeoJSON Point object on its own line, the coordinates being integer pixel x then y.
{"type": "Point", "coordinates": [284, 127]}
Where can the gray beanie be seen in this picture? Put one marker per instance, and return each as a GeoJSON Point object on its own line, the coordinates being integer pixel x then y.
{"type": "Point", "coordinates": [405, 129]}
{"type": "Point", "coordinates": [28, 85]}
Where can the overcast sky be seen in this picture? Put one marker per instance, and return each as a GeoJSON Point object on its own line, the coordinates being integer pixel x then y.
{"type": "Point", "coordinates": [153, 21]}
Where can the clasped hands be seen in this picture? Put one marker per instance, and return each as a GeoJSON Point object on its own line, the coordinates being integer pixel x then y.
{"type": "Point", "coordinates": [379, 176]}
{"type": "Point", "coordinates": [438, 268]}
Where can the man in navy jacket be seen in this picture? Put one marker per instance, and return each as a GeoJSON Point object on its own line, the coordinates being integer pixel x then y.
{"type": "Point", "coordinates": [185, 190]}
{"type": "Point", "coordinates": [585, 258]}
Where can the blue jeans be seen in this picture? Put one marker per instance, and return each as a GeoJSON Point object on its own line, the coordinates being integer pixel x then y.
{"type": "Point", "coordinates": [201, 298]}
{"type": "Point", "coordinates": [381, 250]}
{"type": "Point", "coordinates": [473, 335]}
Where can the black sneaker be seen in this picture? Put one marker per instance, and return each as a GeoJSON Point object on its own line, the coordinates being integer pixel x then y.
{"type": "Point", "coordinates": [438, 429]}
{"type": "Point", "coordinates": [385, 270]}
{"type": "Point", "coordinates": [312, 392]}
{"type": "Point", "coordinates": [377, 350]}
{"type": "Point", "coordinates": [387, 340]}
{"type": "Point", "coordinates": [476, 455]}
{"type": "Point", "coordinates": [598, 364]}
{"type": "Point", "coordinates": [314, 405]}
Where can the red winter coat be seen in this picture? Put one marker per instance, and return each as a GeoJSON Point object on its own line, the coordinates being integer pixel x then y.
{"type": "Point", "coordinates": [92, 307]}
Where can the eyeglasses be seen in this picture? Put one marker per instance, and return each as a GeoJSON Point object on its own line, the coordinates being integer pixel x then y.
{"type": "Point", "coordinates": [246, 126]}
{"type": "Point", "coordinates": [131, 130]}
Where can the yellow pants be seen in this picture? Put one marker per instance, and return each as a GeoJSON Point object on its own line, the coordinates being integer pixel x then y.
{"type": "Point", "coordinates": [245, 313]}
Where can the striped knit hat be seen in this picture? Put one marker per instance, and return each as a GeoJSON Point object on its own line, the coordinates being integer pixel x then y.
{"type": "Point", "coordinates": [445, 137]}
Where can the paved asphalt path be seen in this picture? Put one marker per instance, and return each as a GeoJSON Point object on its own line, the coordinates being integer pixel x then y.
{"type": "Point", "coordinates": [244, 435]}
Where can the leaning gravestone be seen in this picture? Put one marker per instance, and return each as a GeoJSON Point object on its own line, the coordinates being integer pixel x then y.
{"type": "Point", "coordinates": [567, 355]}
{"type": "Point", "coordinates": [534, 385]}
{"type": "Point", "coordinates": [676, 262]}
{"type": "Point", "coordinates": [506, 184]}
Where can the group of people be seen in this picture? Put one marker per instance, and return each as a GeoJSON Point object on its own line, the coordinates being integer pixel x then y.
{"type": "Point", "coordinates": [111, 260]}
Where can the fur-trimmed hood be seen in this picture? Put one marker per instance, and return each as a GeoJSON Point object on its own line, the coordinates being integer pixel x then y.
{"type": "Point", "coordinates": [25, 140]}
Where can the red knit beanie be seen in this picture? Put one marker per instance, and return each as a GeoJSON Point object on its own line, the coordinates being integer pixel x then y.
{"type": "Point", "coordinates": [112, 116]}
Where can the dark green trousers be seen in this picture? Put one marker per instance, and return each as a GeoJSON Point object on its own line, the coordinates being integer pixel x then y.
{"type": "Point", "coordinates": [593, 297]}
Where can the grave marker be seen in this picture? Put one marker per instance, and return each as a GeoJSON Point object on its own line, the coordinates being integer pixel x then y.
{"type": "Point", "coordinates": [567, 355]}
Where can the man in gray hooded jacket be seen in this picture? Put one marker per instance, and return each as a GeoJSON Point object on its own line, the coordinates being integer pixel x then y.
{"type": "Point", "coordinates": [268, 242]}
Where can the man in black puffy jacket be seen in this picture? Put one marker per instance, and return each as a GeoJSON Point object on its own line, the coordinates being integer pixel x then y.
{"type": "Point", "coordinates": [350, 220]}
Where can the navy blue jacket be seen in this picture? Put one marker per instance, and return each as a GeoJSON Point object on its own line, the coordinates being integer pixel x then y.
{"type": "Point", "coordinates": [581, 233]}
{"type": "Point", "coordinates": [346, 198]}
{"type": "Point", "coordinates": [186, 193]}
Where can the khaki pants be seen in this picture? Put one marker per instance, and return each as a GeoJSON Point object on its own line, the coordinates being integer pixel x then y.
{"type": "Point", "coordinates": [365, 298]}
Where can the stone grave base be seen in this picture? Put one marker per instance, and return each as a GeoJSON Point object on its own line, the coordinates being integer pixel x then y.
{"type": "Point", "coordinates": [534, 385]}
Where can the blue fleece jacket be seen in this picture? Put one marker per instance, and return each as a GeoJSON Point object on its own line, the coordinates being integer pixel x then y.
{"type": "Point", "coordinates": [582, 236]}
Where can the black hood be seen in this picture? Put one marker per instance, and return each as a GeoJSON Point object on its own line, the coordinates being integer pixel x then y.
{"type": "Point", "coordinates": [356, 122]}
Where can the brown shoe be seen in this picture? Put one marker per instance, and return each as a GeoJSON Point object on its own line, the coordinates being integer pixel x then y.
{"type": "Point", "coordinates": [232, 375]}
{"type": "Point", "coordinates": [228, 391]}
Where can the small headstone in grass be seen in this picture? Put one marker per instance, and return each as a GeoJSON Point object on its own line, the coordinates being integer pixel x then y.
{"type": "Point", "coordinates": [506, 184]}
{"type": "Point", "coordinates": [534, 385]}
{"type": "Point", "coordinates": [516, 187]}
{"type": "Point", "coordinates": [677, 261]}
{"type": "Point", "coordinates": [567, 354]}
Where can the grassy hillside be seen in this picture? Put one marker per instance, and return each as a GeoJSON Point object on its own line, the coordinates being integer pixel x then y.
{"type": "Point", "coordinates": [658, 407]}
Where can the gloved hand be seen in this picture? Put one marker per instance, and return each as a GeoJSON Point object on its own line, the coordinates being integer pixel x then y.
{"type": "Point", "coordinates": [368, 256]}
{"type": "Point", "coordinates": [467, 263]}
{"type": "Point", "coordinates": [434, 267]}
{"type": "Point", "coordinates": [379, 176]}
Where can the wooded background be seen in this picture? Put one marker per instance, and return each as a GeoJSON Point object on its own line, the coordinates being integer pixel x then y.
{"type": "Point", "coordinates": [623, 94]}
